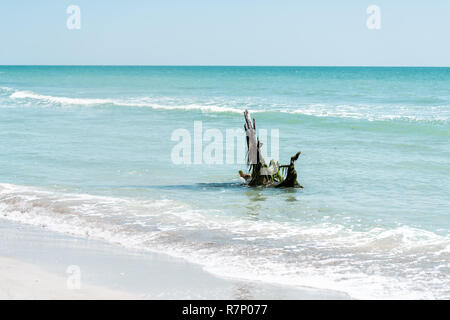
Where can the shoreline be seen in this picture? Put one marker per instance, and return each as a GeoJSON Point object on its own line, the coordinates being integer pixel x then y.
{"type": "Point", "coordinates": [34, 264]}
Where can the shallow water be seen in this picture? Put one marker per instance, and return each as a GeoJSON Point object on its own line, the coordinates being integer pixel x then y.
{"type": "Point", "coordinates": [87, 150]}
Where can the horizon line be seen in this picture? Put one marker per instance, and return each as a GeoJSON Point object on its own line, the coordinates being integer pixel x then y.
{"type": "Point", "coordinates": [214, 65]}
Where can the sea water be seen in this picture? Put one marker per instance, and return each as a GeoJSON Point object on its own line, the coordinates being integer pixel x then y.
{"type": "Point", "coordinates": [89, 151]}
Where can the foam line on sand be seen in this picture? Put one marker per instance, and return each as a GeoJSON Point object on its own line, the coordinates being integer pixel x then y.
{"type": "Point", "coordinates": [34, 264]}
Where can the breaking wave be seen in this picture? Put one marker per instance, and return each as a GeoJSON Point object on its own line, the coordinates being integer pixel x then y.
{"type": "Point", "coordinates": [366, 112]}
{"type": "Point", "coordinates": [133, 102]}
{"type": "Point", "coordinates": [402, 262]}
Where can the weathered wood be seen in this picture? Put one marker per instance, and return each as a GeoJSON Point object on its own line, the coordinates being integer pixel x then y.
{"type": "Point", "coordinates": [291, 177]}
{"type": "Point", "coordinates": [260, 173]}
{"type": "Point", "coordinates": [253, 145]}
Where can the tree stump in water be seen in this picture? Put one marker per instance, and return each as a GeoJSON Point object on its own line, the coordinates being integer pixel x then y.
{"type": "Point", "coordinates": [262, 174]}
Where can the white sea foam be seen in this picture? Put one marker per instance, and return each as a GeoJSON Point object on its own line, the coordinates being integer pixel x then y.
{"type": "Point", "coordinates": [374, 113]}
{"type": "Point", "coordinates": [402, 262]}
{"type": "Point", "coordinates": [6, 90]}
{"type": "Point", "coordinates": [134, 102]}
{"type": "Point", "coordinates": [59, 100]}
{"type": "Point", "coordinates": [371, 113]}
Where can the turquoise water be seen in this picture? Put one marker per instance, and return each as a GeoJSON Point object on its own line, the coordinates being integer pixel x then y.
{"type": "Point", "coordinates": [87, 150]}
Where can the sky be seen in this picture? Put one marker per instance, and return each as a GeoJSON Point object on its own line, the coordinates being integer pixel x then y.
{"type": "Point", "coordinates": [225, 32]}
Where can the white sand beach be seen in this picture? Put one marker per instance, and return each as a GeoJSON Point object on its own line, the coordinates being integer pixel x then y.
{"type": "Point", "coordinates": [34, 264]}
{"type": "Point", "coordinates": [20, 280]}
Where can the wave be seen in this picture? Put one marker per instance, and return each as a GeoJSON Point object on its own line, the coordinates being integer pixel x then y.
{"type": "Point", "coordinates": [364, 112]}
{"type": "Point", "coordinates": [376, 113]}
{"type": "Point", "coordinates": [59, 100]}
{"type": "Point", "coordinates": [402, 262]}
{"type": "Point", "coordinates": [134, 102]}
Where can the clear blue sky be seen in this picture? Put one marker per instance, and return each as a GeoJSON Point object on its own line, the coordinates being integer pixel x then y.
{"type": "Point", "coordinates": [226, 32]}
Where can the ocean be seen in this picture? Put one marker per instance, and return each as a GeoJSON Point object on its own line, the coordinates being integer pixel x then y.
{"type": "Point", "coordinates": [89, 151]}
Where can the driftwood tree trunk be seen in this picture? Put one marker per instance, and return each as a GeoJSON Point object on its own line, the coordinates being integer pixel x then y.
{"type": "Point", "coordinates": [253, 144]}
{"type": "Point", "coordinates": [260, 173]}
